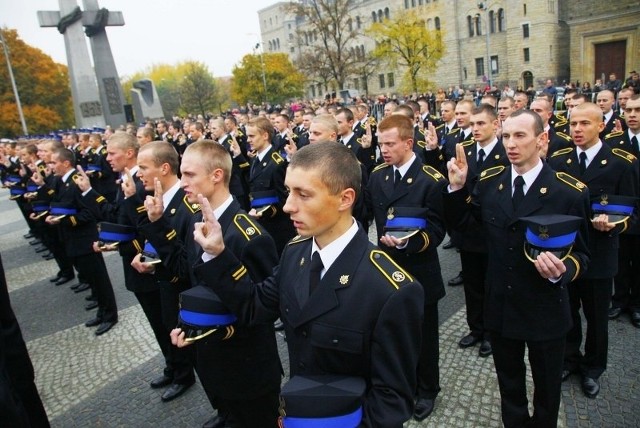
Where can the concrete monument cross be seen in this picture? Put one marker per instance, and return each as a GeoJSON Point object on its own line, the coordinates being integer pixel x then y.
{"type": "Point", "coordinates": [94, 104]}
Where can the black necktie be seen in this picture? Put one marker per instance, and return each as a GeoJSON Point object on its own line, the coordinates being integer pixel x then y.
{"type": "Point", "coordinates": [314, 272]}
{"type": "Point", "coordinates": [634, 145]}
{"type": "Point", "coordinates": [518, 191]}
{"type": "Point", "coordinates": [583, 162]}
{"type": "Point", "coordinates": [252, 171]}
{"type": "Point", "coordinates": [480, 158]}
{"type": "Point", "coordinates": [397, 178]}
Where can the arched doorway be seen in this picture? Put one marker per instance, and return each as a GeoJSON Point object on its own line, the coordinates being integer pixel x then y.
{"type": "Point", "coordinates": [527, 79]}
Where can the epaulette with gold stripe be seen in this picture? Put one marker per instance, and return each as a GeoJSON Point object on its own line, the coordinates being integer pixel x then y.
{"type": "Point", "coordinates": [277, 158]}
{"type": "Point", "coordinates": [100, 198]}
{"type": "Point", "coordinates": [396, 276]}
{"type": "Point", "coordinates": [247, 227]}
{"type": "Point", "coordinates": [140, 209]}
{"type": "Point", "coordinates": [623, 154]}
{"type": "Point", "coordinates": [453, 131]}
{"type": "Point", "coordinates": [421, 144]}
{"type": "Point", "coordinates": [298, 239]}
{"type": "Point", "coordinates": [439, 126]}
{"type": "Point", "coordinates": [379, 167]}
{"type": "Point", "coordinates": [563, 136]}
{"type": "Point", "coordinates": [613, 134]}
{"type": "Point", "coordinates": [432, 172]}
{"type": "Point", "coordinates": [571, 181]}
{"type": "Point", "coordinates": [492, 172]}
{"type": "Point", "coordinates": [239, 133]}
{"type": "Point", "coordinates": [562, 152]}
{"type": "Point", "coordinates": [244, 165]}
{"type": "Point", "coordinates": [194, 208]}
{"type": "Point", "coordinates": [468, 143]}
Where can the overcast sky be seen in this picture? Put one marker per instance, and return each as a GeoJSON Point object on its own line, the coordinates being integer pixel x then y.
{"type": "Point", "coordinates": [217, 32]}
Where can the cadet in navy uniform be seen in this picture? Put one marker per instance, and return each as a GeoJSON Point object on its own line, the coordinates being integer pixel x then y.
{"type": "Point", "coordinates": [527, 303]}
{"type": "Point", "coordinates": [348, 309]}
{"type": "Point", "coordinates": [402, 182]}
{"type": "Point", "coordinates": [78, 232]}
{"type": "Point", "coordinates": [627, 282]}
{"type": "Point", "coordinates": [240, 373]}
{"type": "Point", "coordinates": [266, 182]}
{"type": "Point", "coordinates": [606, 172]}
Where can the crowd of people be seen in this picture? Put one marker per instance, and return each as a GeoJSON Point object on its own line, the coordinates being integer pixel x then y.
{"type": "Point", "coordinates": [232, 227]}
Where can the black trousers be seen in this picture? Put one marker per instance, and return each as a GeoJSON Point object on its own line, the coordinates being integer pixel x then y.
{"type": "Point", "coordinates": [260, 412]}
{"type": "Point", "coordinates": [91, 266]}
{"type": "Point", "coordinates": [627, 281]}
{"type": "Point", "coordinates": [429, 359]}
{"type": "Point", "coordinates": [594, 297]}
{"type": "Point", "coordinates": [152, 308]}
{"type": "Point", "coordinates": [474, 272]}
{"type": "Point", "coordinates": [545, 358]}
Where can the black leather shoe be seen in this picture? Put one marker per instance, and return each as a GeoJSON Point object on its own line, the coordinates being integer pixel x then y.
{"type": "Point", "coordinates": [161, 382]}
{"type": "Point", "coordinates": [63, 280]}
{"type": "Point", "coordinates": [468, 341]}
{"type": "Point", "coordinates": [175, 391]}
{"type": "Point", "coordinates": [456, 281]}
{"type": "Point", "coordinates": [90, 305]}
{"type": "Point", "coordinates": [448, 245]}
{"type": "Point", "coordinates": [278, 326]}
{"type": "Point", "coordinates": [635, 319]}
{"type": "Point", "coordinates": [485, 349]}
{"type": "Point", "coordinates": [218, 421]}
{"type": "Point", "coordinates": [91, 298]}
{"type": "Point", "coordinates": [48, 256]}
{"type": "Point", "coordinates": [41, 249]}
{"type": "Point", "coordinates": [105, 327]}
{"type": "Point", "coordinates": [424, 407]}
{"type": "Point", "coordinates": [614, 313]}
{"type": "Point", "coordinates": [55, 278]}
{"type": "Point", "coordinates": [565, 374]}
{"type": "Point", "coordinates": [82, 287]}
{"type": "Point", "coordinates": [590, 387]}
{"type": "Point", "coordinates": [28, 236]}
{"type": "Point", "coordinates": [35, 242]}
{"type": "Point", "coordinates": [93, 322]}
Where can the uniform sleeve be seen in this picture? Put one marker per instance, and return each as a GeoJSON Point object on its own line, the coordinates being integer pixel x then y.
{"type": "Point", "coordinates": [169, 245]}
{"type": "Point", "coordinates": [434, 233]}
{"type": "Point", "coordinates": [578, 261]}
{"type": "Point", "coordinates": [394, 357]}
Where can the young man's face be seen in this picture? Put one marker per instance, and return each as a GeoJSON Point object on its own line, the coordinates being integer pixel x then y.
{"type": "Point", "coordinates": [463, 115]}
{"type": "Point", "coordinates": [257, 139]}
{"type": "Point", "coordinates": [344, 125]}
{"type": "Point", "coordinates": [195, 177]}
{"type": "Point", "coordinates": [118, 158]}
{"type": "Point", "coordinates": [59, 167]}
{"type": "Point", "coordinates": [148, 170]}
{"type": "Point", "coordinates": [632, 115]}
{"type": "Point", "coordinates": [318, 132]}
{"type": "Point", "coordinates": [393, 149]}
{"type": "Point", "coordinates": [520, 142]}
{"type": "Point", "coordinates": [483, 128]}
{"type": "Point", "coordinates": [586, 126]}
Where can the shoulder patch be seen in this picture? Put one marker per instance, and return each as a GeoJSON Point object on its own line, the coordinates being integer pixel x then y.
{"type": "Point", "coordinates": [492, 172]}
{"type": "Point", "coordinates": [379, 167]}
{"type": "Point", "coordinates": [571, 181]}
{"type": "Point", "coordinates": [389, 269]}
{"type": "Point", "coordinates": [468, 143]}
{"type": "Point", "coordinates": [624, 154]}
{"type": "Point", "coordinates": [246, 226]}
{"type": "Point", "coordinates": [277, 158]}
{"type": "Point", "coordinates": [193, 208]}
{"type": "Point", "coordinates": [562, 152]}
{"type": "Point", "coordinates": [439, 126]}
{"type": "Point", "coordinates": [613, 134]}
{"type": "Point", "coordinates": [434, 173]}
{"type": "Point", "coordinates": [563, 136]}
{"type": "Point", "coordinates": [421, 144]}
{"type": "Point", "coordinates": [298, 239]}
{"type": "Point", "coordinates": [453, 131]}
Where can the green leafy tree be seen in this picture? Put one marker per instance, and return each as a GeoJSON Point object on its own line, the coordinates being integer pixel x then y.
{"type": "Point", "coordinates": [43, 86]}
{"type": "Point", "coordinates": [283, 80]}
{"type": "Point", "coordinates": [405, 42]}
{"type": "Point", "coordinates": [198, 90]}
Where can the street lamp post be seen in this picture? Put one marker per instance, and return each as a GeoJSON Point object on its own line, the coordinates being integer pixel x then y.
{"type": "Point", "coordinates": [483, 7]}
{"type": "Point", "coordinates": [13, 84]}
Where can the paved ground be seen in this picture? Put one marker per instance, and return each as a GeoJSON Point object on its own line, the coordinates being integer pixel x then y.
{"type": "Point", "coordinates": [86, 380]}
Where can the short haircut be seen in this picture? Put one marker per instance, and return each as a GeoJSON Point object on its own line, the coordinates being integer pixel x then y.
{"type": "Point", "coordinates": [213, 156]}
{"type": "Point", "coordinates": [348, 114]}
{"type": "Point", "coordinates": [402, 123]}
{"type": "Point", "coordinates": [487, 109]}
{"type": "Point", "coordinates": [31, 149]}
{"type": "Point", "coordinates": [414, 106]}
{"type": "Point", "coordinates": [489, 99]}
{"type": "Point", "coordinates": [263, 124]}
{"type": "Point", "coordinates": [124, 141]}
{"type": "Point", "coordinates": [538, 124]}
{"type": "Point", "coordinates": [450, 103]}
{"type": "Point", "coordinates": [363, 108]}
{"type": "Point", "coordinates": [55, 145]}
{"type": "Point", "coordinates": [582, 97]}
{"type": "Point", "coordinates": [327, 121]}
{"type": "Point", "coordinates": [232, 119]}
{"type": "Point", "coordinates": [65, 155]}
{"type": "Point", "coordinates": [147, 132]}
{"type": "Point", "coordinates": [405, 110]}
{"type": "Point", "coordinates": [163, 152]}
{"type": "Point", "coordinates": [284, 116]}
{"type": "Point", "coordinates": [200, 127]}
{"type": "Point", "coordinates": [468, 103]}
{"type": "Point", "coordinates": [509, 99]}
{"type": "Point", "coordinates": [336, 164]}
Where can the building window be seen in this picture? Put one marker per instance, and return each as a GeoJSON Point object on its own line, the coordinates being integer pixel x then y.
{"type": "Point", "coordinates": [356, 84]}
{"type": "Point", "coordinates": [390, 80]}
{"type": "Point", "coordinates": [525, 31]}
{"type": "Point", "coordinates": [479, 67]}
{"type": "Point", "coordinates": [494, 65]}
{"type": "Point", "coordinates": [551, 4]}
{"type": "Point", "coordinates": [525, 9]}
{"type": "Point", "coordinates": [364, 83]}
{"type": "Point", "coordinates": [470, 25]}
{"type": "Point", "coordinates": [374, 18]}
{"type": "Point", "coordinates": [292, 49]}
{"type": "Point", "coordinates": [350, 24]}
{"type": "Point", "coordinates": [406, 4]}
{"type": "Point", "coordinates": [380, 15]}
{"type": "Point", "coordinates": [358, 22]}
{"type": "Point", "coordinates": [501, 20]}
{"type": "Point", "coordinates": [437, 22]}
{"type": "Point", "coordinates": [492, 21]}
{"type": "Point", "coordinates": [478, 25]}
{"type": "Point", "coordinates": [289, 26]}
{"type": "Point", "coordinates": [525, 51]}
{"type": "Point", "coordinates": [386, 13]}
{"type": "Point", "coordinates": [381, 79]}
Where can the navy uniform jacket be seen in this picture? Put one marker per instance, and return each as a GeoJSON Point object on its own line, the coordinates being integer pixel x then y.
{"type": "Point", "coordinates": [363, 319]}
{"type": "Point", "coordinates": [519, 303]}
{"type": "Point", "coordinates": [421, 187]}
{"type": "Point", "coordinates": [438, 158]}
{"type": "Point", "coordinates": [557, 141]}
{"type": "Point", "coordinates": [245, 365]}
{"type": "Point", "coordinates": [238, 185]}
{"type": "Point", "coordinates": [611, 172]}
{"type": "Point", "coordinates": [608, 127]}
{"type": "Point", "coordinates": [620, 140]}
{"type": "Point", "coordinates": [368, 156]}
{"type": "Point", "coordinates": [472, 237]}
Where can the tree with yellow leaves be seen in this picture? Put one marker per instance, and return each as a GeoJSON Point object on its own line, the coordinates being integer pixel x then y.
{"type": "Point", "coordinates": [406, 42]}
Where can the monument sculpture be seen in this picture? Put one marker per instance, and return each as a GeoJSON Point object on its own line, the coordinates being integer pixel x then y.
{"type": "Point", "coordinates": [145, 100]}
